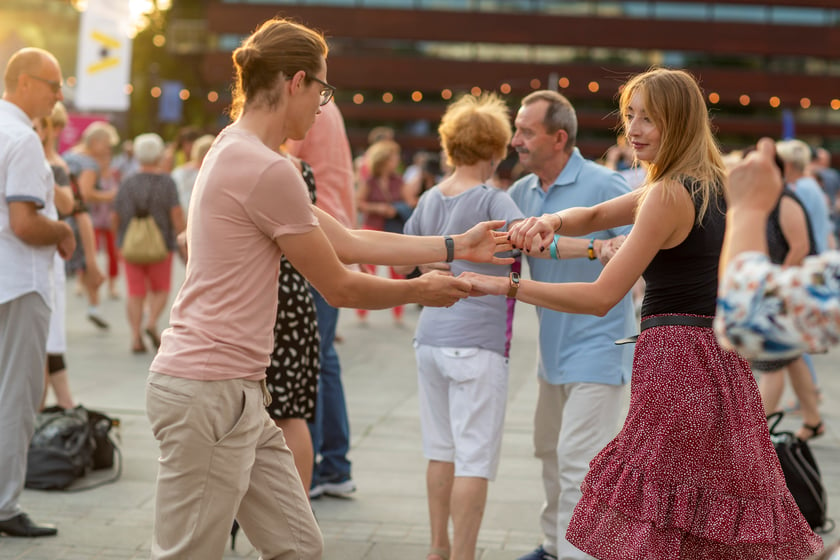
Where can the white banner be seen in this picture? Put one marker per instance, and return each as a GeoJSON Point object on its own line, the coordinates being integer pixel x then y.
{"type": "Point", "coordinates": [103, 66]}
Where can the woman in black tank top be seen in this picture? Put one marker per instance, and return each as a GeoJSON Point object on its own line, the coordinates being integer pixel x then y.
{"type": "Point", "coordinates": [692, 474]}
{"type": "Point", "coordinates": [790, 238]}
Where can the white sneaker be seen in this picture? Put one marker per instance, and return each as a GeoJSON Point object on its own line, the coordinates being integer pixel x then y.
{"type": "Point", "coordinates": [339, 489]}
{"type": "Point", "coordinates": [97, 319]}
{"type": "Point", "coordinates": [316, 491]}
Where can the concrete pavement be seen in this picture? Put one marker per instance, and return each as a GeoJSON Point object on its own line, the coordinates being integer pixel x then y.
{"type": "Point", "coordinates": [387, 518]}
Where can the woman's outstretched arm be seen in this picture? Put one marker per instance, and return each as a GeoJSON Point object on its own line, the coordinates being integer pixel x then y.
{"type": "Point", "coordinates": [662, 222]}
{"type": "Point", "coordinates": [533, 234]}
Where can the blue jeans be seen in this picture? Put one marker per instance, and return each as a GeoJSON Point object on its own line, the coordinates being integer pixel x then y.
{"type": "Point", "coordinates": [331, 428]}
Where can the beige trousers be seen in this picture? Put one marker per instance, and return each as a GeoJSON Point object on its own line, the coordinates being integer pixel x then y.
{"type": "Point", "coordinates": [572, 423]}
{"type": "Point", "coordinates": [221, 457]}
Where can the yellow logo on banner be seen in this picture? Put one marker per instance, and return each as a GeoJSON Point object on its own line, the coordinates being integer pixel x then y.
{"type": "Point", "coordinates": [106, 61]}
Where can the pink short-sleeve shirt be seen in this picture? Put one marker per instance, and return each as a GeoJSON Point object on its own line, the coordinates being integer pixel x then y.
{"type": "Point", "coordinates": [245, 197]}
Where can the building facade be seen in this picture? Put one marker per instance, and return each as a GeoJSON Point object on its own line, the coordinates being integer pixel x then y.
{"type": "Point", "coordinates": [768, 67]}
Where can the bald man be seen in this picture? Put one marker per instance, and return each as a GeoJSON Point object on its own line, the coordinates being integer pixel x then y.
{"type": "Point", "coordinates": [30, 233]}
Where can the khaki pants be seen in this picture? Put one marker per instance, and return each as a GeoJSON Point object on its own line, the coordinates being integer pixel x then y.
{"type": "Point", "coordinates": [221, 457]}
{"type": "Point", "coordinates": [572, 423]}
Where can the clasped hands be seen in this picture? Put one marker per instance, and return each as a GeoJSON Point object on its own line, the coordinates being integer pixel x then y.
{"type": "Point", "coordinates": [532, 235]}
{"type": "Point", "coordinates": [437, 287]}
{"type": "Point", "coordinates": [483, 242]}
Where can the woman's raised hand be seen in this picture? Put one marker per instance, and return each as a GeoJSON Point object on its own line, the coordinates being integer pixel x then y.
{"type": "Point", "coordinates": [755, 183]}
{"type": "Point", "coordinates": [534, 234]}
{"type": "Point", "coordinates": [481, 242]}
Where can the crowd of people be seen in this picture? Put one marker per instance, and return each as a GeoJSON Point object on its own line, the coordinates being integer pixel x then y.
{"type": "Point", "coordinates": [278, 226]}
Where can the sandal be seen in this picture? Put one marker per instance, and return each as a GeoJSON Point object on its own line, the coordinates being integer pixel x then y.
{"type": "Point", "coordinates": [441, 553]}
{"type": "Point", "coordinates": [811, 432]}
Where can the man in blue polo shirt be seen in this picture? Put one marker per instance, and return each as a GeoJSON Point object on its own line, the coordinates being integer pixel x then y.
{"type": "Point", "coordinates": [581, 370]}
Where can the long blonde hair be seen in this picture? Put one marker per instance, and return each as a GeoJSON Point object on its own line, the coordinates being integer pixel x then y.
{"type": "Point", "coordinates": [688, 150]}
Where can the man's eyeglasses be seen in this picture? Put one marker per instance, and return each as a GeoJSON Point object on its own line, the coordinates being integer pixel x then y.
{"type": "Point", "coordinates": [326, 93]}
{"type": "Point", "coordinates": [54, 86]}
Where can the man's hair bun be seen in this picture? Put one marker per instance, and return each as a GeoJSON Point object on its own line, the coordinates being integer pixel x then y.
{"type": "Point", "coordinates": [245, 56]}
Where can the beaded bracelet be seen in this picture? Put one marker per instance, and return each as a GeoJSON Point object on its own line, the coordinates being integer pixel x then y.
{"type": "Point", "coordinates": [590, 251]}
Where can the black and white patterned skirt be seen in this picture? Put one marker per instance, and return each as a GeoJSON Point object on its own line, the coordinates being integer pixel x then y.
{"type": "Point", "coordinates": [292, 375]}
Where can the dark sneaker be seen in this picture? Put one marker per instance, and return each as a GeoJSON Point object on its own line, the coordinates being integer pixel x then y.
{"type": "Point", "coordinates": [538, 554]}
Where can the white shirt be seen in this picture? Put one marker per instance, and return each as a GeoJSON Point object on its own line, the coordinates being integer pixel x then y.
{"type": "Point", "coordinates": [24, 176]}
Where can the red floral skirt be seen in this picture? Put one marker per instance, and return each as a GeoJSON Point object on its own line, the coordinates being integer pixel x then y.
{"type": "Point", "coordinates": [693, 474]}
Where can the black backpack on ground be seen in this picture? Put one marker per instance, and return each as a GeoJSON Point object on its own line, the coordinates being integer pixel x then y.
{"type": "Point", "coordinates": [66, 445]}
{"type": "Point", "coordinates": [802, 475]}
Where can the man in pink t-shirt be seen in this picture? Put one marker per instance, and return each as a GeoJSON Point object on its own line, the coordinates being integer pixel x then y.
{"type": "Point", "coordinates": [221, 455]}
{"type": "Point", "coordinates": [327, 150]}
